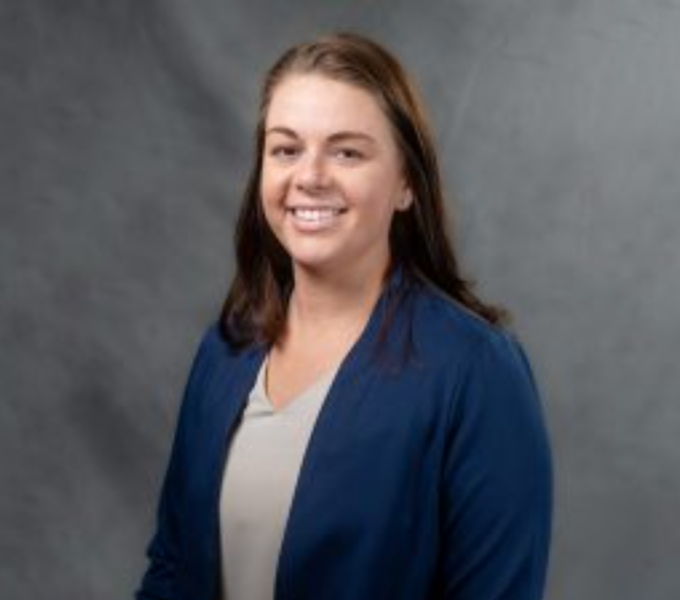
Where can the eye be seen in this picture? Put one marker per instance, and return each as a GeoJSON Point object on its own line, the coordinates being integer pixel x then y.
{"type": "Point", "coordinates": [346, 154]}
{"type": "Point", "coordinates": [284, 151]}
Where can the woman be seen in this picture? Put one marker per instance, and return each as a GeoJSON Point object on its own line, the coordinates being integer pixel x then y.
{"type": "Point", "coordinates": [358, 425]}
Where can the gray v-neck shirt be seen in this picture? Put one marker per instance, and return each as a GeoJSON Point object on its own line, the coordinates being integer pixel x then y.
{"type": "Point", "coordinates": [261, 470]}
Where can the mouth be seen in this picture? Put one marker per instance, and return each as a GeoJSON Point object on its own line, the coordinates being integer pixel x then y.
{"type": "Point", "coordinates": [315, 215]}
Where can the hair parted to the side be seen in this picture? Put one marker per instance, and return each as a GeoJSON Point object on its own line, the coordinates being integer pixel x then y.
{"type": "Point", "coordinates": [255, 308]}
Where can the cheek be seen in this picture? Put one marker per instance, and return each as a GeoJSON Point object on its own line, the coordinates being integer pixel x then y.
{"type": "Point", "coordinates": [267, 199]}
{"type": "Point", "coordinates": [379, 196]}
{"type": "Point", "coordinates": [272, 187]}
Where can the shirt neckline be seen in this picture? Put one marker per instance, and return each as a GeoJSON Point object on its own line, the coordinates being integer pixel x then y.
{"type": "Point", "coordinates": [300, 399]}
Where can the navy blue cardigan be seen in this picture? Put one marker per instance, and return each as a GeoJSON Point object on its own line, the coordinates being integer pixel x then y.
{"type": "Point", "coordinates": [427, 475]}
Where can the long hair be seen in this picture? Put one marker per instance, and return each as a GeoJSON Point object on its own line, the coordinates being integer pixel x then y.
{"type": "Point", "coordinates": [420, 243]}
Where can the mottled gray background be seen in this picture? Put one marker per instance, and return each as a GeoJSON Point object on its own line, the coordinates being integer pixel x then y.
{"type": "Point", "coordinates": [124, 138]}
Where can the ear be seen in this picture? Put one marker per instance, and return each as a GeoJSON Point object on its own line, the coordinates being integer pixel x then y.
{"type": "Point", "coordinates": [406, 199]}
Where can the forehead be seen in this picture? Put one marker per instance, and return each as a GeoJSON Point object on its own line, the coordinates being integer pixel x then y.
{"type": "Point", "coordinates": [317, 104]}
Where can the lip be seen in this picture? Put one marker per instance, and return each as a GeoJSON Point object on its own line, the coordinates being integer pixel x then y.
{"type": "Point", "coordinates": [303, 206]}
{"type": "Point", "coordinates": [314, 218]}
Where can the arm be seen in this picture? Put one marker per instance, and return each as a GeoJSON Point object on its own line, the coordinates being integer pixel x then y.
{"type": "Point", "coordinates": [496, 482]}
{"type": "Point", "coordinates": [165, 549]}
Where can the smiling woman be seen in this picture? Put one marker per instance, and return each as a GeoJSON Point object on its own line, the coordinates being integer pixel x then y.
{"type": "Point", "coordinates": [358, 424]}
{"type": "Point", "coordinates": [332, 177]}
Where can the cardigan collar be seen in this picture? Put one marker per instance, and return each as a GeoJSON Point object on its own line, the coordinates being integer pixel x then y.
{"type": "Point", "coordinates": [229, 394]}
{"type": "Point", "coordinates": [364, 348]}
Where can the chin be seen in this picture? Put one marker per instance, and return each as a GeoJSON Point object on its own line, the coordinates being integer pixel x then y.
{"type": "Point", "coordinates": [316, 264]}
{"type": "Point", "coordinates": [312, 265]}
{"type": "Point", "coordinates": [312, 257]}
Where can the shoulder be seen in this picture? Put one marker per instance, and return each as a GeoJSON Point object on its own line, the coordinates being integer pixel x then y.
{"type": "Point", "coordinates": [214, 354]}
{"type": "Point", "coordinates": [482, 363]}
{"type": "Point", "coordinates": [492, 390]}
{"type": "Point", "coordinates": [444, 330]}
{"type": "Point", "coordinates": [214, 345]}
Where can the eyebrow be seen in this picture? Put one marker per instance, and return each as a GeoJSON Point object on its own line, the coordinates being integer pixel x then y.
{"type": "Point", "coordinates": [339, 136]}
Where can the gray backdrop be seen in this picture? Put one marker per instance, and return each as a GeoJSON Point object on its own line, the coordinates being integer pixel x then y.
{"type": "Point", "coordinates": [125, 132]}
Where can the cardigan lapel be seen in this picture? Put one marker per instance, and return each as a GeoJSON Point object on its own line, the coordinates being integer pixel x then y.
{"type": "Point", "coordinates": [227, 398]}
{"type": "Point", "coordinates": [329, 439]}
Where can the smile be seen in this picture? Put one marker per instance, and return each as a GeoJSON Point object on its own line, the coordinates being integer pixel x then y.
{"type": "Point", "coordinates": [316, 215]}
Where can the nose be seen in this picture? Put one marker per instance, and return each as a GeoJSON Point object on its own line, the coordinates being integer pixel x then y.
{"type": "Point", "coordinates": [312, 175]}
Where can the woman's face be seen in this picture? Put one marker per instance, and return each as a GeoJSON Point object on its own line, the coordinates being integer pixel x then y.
{"type": "Point", "coordinates": [332, 175]}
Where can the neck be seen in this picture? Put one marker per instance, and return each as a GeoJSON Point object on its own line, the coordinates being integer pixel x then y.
{"type": "Point", "coordinates": [334, 299]}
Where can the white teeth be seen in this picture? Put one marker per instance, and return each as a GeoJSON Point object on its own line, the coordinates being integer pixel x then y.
{"type": "Point", "coordinates": [315, 215]}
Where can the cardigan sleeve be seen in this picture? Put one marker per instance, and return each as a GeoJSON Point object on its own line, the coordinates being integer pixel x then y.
{"type": "Point", "coordinates": [497, 481]}
{"type": "Point", "coordinates": [163, 552]}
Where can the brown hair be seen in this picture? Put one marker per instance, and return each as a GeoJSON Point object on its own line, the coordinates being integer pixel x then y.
{"type": "Point", "coordinates": [255, 308]}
